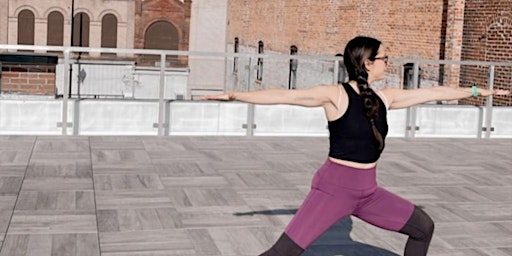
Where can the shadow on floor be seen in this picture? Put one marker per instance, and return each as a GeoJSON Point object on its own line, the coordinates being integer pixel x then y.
{"type": "Point", "coordinates": [335, 242]}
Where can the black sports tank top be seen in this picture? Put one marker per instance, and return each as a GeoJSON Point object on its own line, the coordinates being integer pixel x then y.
{"type": "Point", "coordinates": [351, 137]}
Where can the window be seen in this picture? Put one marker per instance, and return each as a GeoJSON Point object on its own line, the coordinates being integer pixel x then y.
{"type": "Point", "coordinates": [294, 63]}
{"type": "Point", "coordinates": [259, 72]}
{"type": "Point", "coordinates": [235, 60]}
{"type": "Point", "coordinates": [55, 34]}
{"type": "Point", "coordinates": [342, 70]}
{"type": "Point", "coordinates": [81, 30]}
{"type": "Point", "coordinates": [26, 25]}
{"type": "Point", "coordinates": [109, 31]}
{"type": "Point", "coordinates": [161, 35]}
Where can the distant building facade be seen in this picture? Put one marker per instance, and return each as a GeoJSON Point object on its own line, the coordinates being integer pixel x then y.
{"type": "Point", "coordinates": [432, 29]}
{"type": "Point", "coordinates": [154, 24]}
{"type": "Point", "coordinates": [101, 23]}
{"type": "Point", "coordinates": [488, 37]}
{"type": "Point", "coordinates": [139, 24]}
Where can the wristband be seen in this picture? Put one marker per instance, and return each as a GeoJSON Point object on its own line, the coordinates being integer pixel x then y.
{"type": "Point", "coordinates": [475, 91]}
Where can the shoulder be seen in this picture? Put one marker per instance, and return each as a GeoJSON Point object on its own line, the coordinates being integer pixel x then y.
{"type": "Point", "coordinates": [391, 92]}
{"type": "Point", "coordinates": [327, 87]}
{"type": "Point", "coordinates": [327, 90]}
{"type": "Point", "coordinates": [385, 95]}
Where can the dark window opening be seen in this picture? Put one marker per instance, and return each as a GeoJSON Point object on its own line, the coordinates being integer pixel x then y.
{"type": "Point", "coordinates": [161, 35]}
{"type": "Point", "coordinates": [294, 63]}
{"type": "Point", "coordinates": [109, 31]}
{"type": "Point", "coordinates": [55, 28]}
{"type": "Point", "coordinates": [26, 27]}
{"type": "Point", "coordinates": [259, 72]}
{"type": "Point", "coordinates": [81, 25]}
{"type": "Point", "coordinates": [235, 60]}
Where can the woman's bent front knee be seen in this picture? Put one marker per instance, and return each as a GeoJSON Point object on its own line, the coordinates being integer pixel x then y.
{"type": "Point", "coordinates": [419, 226]}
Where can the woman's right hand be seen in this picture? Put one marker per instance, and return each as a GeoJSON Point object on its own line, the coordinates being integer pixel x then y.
{"type": "Point", "coordinates": [220, 97]}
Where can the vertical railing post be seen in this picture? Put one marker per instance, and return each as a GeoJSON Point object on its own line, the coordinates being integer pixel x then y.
{"type": "Point", "coordinates": [410, 122]}
{"type": "Point", "coordinates": [76, 117]}
{"type": "Point", "coordinates": [479, 127]}
{"type": "Point", "coordinates": [415, 76]}
{"type": "Point", "coordinates": [250, 107]}
{"type": "Point", "coordinates": [250, 120]}
{"type": "Point", "coordinates": [412, 111]}
{"type": "Point", "coordinates": [489, 103]}
{"type": "Point", "coordinates": [249, 74]}
{"type": "Point", "coordinates": [65, 95]}
{"type": "Point", "coordinates": [336, 72]}
{"type": "Point", "coordinates": [161, 103]}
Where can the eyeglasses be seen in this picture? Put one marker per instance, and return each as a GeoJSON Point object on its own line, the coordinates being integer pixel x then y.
{"type": "Point", "coordinates": [384, 58]}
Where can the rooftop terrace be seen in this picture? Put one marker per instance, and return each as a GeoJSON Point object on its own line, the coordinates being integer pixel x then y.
{"type": "Point", "coordinates": [233, 196]}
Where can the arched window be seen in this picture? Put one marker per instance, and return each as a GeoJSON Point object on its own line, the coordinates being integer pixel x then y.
{"type": "Point", "coordinates": [55, 34]}
{"type": "Point", "coordinates": [294, 63]}
{"type": "Point", "coordinates": [81, 30]}
{"type": "Point", "coordinates": [161, 35]}
{"type": "Point", "coordinates": [236, 50]}
{"type": "Point", "coordinates": [26, 24]}
{"type": "Point", "coordinates": [259, 72]}
{"type": "Point", "coordinates": [109, 31]}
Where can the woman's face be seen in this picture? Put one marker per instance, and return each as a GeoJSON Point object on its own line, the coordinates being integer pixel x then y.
{"type": "Point", "coordinates": [377, 67]}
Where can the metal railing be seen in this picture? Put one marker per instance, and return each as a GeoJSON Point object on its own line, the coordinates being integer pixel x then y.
{"type": "Point", "coordinates": [171, 112]}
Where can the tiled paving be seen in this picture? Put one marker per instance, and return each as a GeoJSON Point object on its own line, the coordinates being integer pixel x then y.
{"type": "Point", "coordinates": [233, 196]}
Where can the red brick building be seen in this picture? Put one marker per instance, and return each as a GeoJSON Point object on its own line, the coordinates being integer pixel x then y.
{"type": "Point", "coordinates": [162, 24]}
{"type": "Point", "coordinates": [430, 29]}
{"type": "Point", "coordinates": [488, 37]}
{"type": "Point", "coordinates": [324, 27]}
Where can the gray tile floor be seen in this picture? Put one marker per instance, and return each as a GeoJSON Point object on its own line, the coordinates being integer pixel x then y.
{"type": "Point", "coordinates": [233, 196]}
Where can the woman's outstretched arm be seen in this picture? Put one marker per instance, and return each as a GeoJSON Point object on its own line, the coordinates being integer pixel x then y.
{"type": "Point", "coordinates": [399, 98]}
{"type": "Point", "coordinates": [316, 96]}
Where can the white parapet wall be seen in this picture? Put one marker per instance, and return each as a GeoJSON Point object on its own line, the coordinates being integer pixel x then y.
{"type": "Point", "coordinates": [140, 117]}
{"type": "Point", "coordinates": [32, 116]}
{"type": "Point", "coordinates": [501, 122]}
{"type": "Point", "coordinates": [115, 117]}
{"type": "Point", "coordinates": [448, 121]}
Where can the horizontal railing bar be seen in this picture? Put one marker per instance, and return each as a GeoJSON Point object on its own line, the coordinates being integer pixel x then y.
{"type": "Point", "coordinates": [242, 55]}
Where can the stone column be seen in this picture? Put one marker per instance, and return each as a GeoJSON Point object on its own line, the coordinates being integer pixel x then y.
{"type": "Point", "coordinates": [4, 22]}
{"type": "Point", "coordinates": [95, 37]}
{"type": "Point", "coordinates": [40, 31]}
{"type": "Point", "coordinates": [12, 38]}
{"type": "Point", "coordinates": [67, 30]}
{"type": "Point", "coordinates": [122, 39]}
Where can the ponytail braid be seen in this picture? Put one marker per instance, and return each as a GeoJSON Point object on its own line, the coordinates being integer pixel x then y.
{"type": "Point", "coordinates": [357, 51]}
{"type": "Point", "coordinates": [371, 105]}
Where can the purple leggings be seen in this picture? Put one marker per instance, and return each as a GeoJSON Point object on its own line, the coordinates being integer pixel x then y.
{"type": "Point", "coordinates": [338, 191]}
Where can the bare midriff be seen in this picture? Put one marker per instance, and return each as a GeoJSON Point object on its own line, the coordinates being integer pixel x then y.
{"type": "Point", "coordinates": [353, 164]}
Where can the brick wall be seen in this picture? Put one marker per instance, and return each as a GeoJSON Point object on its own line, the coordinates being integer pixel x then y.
{"type": "Point", "coordinates": [408, 28]}
{"type": "Point", "coordinates": [431, 29]}
{"type": "Point", "coordinates": [28, 80]}
{"type": "Point", "coordinates": [488, 37]}
{"type": "Point", "coordinates": [174, 12]}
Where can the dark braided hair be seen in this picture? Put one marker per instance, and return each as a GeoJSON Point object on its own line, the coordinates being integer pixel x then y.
{"type": "Point", "coordinates": [357, 51]}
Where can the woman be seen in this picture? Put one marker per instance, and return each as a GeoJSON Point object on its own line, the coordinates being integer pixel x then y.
{"type": "Point", "coordinates": [346, 183]}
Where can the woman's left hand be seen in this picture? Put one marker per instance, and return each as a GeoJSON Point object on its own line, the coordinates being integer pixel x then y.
{"type": "Point", "coordinates": [498, 92]}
